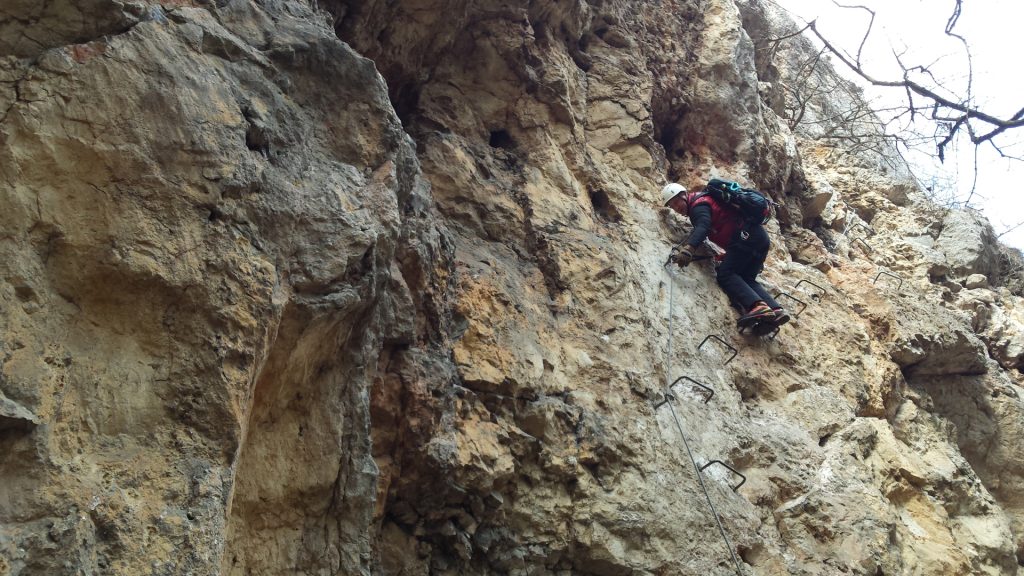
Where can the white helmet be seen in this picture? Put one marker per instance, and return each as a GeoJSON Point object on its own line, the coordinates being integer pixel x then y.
{"type": "Point", "coordinates": [670, 191]}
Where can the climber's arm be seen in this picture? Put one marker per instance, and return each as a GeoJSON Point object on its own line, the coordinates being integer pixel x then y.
{"type": "Point", "coordinates": [700, 216]}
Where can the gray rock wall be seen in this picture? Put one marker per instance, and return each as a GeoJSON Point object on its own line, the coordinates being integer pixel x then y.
{"type": "Point", "coordinates": [377, 288]}
{"type": "Point", "coordinates": [212, 223]}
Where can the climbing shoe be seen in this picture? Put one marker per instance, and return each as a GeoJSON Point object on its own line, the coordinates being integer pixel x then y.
{"type": "Point", "coordinates": [760, 312]}
{"type": "Point", "coordinates": [781, 317]}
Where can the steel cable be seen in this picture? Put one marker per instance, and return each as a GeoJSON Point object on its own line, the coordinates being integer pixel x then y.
{"type": "Point", "coordinates": [679, 426]}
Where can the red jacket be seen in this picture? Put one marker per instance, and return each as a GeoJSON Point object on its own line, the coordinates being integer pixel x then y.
{"type": "Point", "coordinates": [725, 221]}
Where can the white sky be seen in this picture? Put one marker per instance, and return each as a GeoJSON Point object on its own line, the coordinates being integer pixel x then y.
{"type": "Point", "coordinates": [916, 28]}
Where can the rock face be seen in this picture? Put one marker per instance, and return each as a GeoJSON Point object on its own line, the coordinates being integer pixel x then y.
{"type": "Point", "coordinates": [207, 247]}
{"type": "Point", "coordinates": [377, 288]}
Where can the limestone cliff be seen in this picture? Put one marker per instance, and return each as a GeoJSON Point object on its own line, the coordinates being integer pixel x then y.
{"type": "Point", "coordinates": [367, 287]}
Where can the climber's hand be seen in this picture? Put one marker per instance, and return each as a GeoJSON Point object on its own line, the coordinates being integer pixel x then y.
{"type": "Point", "coordinates": [682, 256]}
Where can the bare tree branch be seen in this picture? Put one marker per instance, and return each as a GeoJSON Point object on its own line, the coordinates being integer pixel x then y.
{"type": "Point", "coordinates": [974, 179]}
{"type": "Point", "coordinates": [1010, 229]}
{"type": "Point", "coordinates": [935, 117]}
{"type": "Point", "coordinates": [1003, 154]}
{"type": "Point", "coordinates": [864, 39]}
{"type": "Point", "coordinates": [965, 109]}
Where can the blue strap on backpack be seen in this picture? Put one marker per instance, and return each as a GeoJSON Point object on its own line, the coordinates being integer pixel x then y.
{"type": "Point", "coordinates": [752, 205]}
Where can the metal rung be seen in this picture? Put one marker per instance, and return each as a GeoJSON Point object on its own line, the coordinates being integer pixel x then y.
{"type": "Point", "coordinates": [771, 335]}
{"type": "Point", "coordinates": [884, 273]}
{"type": "Point", "coordinates": [710, 392]}
{"type": "Point", "coordinates": [869, 229]}
{"type": "Point", "coordinates": [731, 469]}
{"type": "Point", "coordinates": [724, 343]}
{"type": "Point", "coordinates": [794, 298]}
{"type": "Point", "coordinates": [679, 426]}
{"type": "Point", "coordinates": [816, 296]}
{"type": "Point", "coordinates": [669, 396]}
{"type": "Point", "coordinates": [704, 489]}
{"type": "Point", "coordinates": [866, 245]}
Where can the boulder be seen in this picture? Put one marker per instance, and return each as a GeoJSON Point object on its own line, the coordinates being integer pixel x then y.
{"type": "Point", "coordinates": [976, 281]}
{"type": "Point", "coordinates": [969, 244]}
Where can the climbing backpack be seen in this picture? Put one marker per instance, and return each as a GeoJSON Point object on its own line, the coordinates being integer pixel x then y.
{"type": "Point", "coordinates": [752, 205]}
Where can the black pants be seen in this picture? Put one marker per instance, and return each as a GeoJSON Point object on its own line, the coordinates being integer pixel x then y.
{"type": "Point", "coordinates": [744, 260]}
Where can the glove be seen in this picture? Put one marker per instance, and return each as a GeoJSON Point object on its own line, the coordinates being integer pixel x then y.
{"type": "Point", "coordinates": [682, 256]}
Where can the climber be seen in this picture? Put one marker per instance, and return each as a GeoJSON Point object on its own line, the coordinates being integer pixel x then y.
{"type": "Point", "coordinates": [746, 246]}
